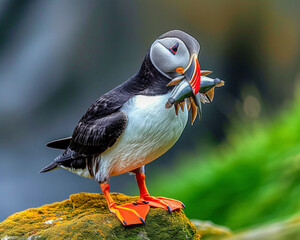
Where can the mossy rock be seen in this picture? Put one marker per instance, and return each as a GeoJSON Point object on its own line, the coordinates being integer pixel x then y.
{"type": "Point", "coordinates": [86, 216]}
{"type": "Point", "coordinates": [209, 230]}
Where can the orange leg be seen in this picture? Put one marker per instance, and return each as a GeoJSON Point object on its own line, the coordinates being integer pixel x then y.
{"type": "Point", "coordinates": [128, 214]}
{"type": "Point", "coordinates": [159, 202]}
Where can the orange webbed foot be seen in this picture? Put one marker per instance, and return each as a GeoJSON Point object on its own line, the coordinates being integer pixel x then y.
{"type": "Point", "coordinates": [128, 214]}
{"type": "Point", "coordinates": [162, 202]}
{"type": "Point", "coordinates": [131, 213]}
{"type": "Point", "coordinates": [158, 202]}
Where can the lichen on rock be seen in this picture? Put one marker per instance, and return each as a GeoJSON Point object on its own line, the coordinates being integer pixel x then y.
{"type": "Point", "coordinates": [86, 216]}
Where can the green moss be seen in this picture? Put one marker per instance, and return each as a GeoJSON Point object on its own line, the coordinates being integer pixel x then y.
{"type": "Point", "coordinates": [86, 216]}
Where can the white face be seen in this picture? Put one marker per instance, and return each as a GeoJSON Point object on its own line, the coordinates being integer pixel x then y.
{"type": "Point", "coordinates": [168, 54]}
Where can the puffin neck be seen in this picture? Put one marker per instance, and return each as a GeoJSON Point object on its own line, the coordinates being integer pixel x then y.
{"type": "Point", "coordinates": [151, 81]}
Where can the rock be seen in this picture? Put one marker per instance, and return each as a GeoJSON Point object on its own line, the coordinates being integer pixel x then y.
{"type": "Point", "coordinates": [207, 229]}
{"type": "Point", "coordinates": [86, 216]}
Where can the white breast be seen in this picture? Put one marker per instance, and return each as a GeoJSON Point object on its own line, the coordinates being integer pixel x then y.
{"type": "Point", "coordinates": [151, 131]}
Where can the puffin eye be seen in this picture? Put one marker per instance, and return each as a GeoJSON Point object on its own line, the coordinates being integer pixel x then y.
{"type": "Point", "coordinates": [174, 49]}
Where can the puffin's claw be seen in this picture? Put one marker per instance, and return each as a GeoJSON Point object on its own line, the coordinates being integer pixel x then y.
{"type": "Point", "coordinates": [169, 209]}
{"type": "Point", "coordinates": [143, 221]}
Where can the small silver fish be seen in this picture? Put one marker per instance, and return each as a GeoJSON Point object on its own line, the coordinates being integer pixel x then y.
{"type": "Point", "coordinates": [183, 92]}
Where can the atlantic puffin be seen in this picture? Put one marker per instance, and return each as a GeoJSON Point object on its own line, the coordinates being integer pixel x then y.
{"type": "Point", "coordinates": [135, 123]}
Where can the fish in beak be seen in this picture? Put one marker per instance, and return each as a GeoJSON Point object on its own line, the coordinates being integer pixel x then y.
{"type": "Point", "coordinates": [192, 88]}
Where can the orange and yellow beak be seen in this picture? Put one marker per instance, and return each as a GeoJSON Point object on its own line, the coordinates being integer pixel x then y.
{"type": "Point", "coordinates": [193, 74]}
{"type": "Point", "coordinates": [192, 89]}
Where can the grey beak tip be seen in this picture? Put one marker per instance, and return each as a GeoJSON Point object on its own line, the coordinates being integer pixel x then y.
{"type": "Point", "coordinates": [217, 81]}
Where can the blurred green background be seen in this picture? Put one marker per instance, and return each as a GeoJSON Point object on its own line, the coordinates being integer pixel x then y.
{"type": "Point", "coordinates": [239, 167]}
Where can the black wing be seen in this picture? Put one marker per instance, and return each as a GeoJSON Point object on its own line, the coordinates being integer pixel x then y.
{"type": "Point", "coordinates": [91, 137]}
{"type": "Point", "coordinates": [99, 115]}
{"type": "Point", "coordinates": [94, 136]}
{"type": "Point", "coordinates": [101, 125]}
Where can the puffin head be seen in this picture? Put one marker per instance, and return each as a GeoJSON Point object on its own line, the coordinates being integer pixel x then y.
{"type": "Point", "coordinates": [174, 54]}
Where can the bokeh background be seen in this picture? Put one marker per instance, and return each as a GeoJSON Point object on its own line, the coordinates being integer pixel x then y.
{"type": "Point", "coordinates": [239, 167]}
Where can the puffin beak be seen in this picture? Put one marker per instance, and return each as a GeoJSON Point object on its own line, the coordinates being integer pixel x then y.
{"type": "Point", "coordinates": [193, 74]}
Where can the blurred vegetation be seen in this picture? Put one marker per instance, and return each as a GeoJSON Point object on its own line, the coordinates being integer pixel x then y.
{"type": "Point", "coordinates": [250, 179]}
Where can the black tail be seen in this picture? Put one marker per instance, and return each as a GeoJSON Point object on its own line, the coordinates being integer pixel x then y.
{"type": "Point", "coordinates": [60, 143]}
{"type": "Point", "coordinates": [68, 157]}
{"type": "Point", "coordinates": [50, 167]}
